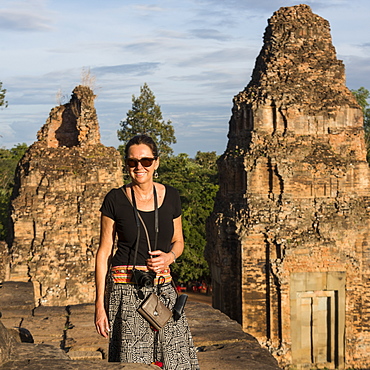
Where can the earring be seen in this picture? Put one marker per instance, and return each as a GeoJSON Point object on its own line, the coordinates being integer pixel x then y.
{"type": "Point", "coordinates": [156, 174]}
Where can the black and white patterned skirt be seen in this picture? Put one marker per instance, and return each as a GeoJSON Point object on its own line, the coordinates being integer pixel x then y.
{"type": "Point", "coordinates": [132, 339]}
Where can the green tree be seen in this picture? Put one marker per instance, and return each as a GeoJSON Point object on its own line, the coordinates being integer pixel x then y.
{"type": "Point", "coordinates": [3, 102]}
{"type": "Point", "coordinates": [197, 182]}
{"type": "Point", "coordinates": [362, 95]}
{"type": "Point", "coordinates": [9, 159]}
{"type": "Point", "coordinates": [145, 117]}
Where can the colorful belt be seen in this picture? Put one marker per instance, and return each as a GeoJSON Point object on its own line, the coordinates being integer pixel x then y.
{"type": "Point", "coordinates": [123, 274]}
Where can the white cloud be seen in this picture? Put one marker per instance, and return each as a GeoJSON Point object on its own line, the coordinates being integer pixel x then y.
{"type": "Point", "coordinates": [148, 8]}
{"type": "Point", "coordinates": [23, 21]}
{"type": "Point", "coordinates": [194, 55]}
{"type": "Point", "coordinates": [212, 34]}
{"type": "Point", "coordinates": [142, 68]}
{"type": "Point", "coordinates": [25, 16]}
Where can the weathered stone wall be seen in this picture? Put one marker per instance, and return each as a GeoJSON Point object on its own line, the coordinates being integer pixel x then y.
{"type": "Point", "coordinates": [72, 124]}
{"type": "Point", "coordinates": [4, 261]}
{"type": "Point", "coordinates": [6, 342]}
{"type": "Point", "coordinates": [60, 185]}
{"type": "Point", "coordinates": [288, 238]}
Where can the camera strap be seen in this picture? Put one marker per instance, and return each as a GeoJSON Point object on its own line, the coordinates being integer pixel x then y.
{"type": "Point", "coordinates": [139, 219]}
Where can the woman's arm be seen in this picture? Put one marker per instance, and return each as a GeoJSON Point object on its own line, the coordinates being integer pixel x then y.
{"type": "Point", "coordinates": [107, 234]}
{"type": "Point", "coordinates": [161, 259]}
{"type": "Point", "coordinates": [178, 239]}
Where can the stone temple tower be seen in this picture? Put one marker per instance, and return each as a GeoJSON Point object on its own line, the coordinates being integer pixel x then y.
{"type": "Point", "coordinates": [60, 184]}
{"type": "Point", "coordinates": [288, 240]}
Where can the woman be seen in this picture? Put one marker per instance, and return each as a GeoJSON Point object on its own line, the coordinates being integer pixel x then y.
{"type": "Point", "coordinates": [132, 339]}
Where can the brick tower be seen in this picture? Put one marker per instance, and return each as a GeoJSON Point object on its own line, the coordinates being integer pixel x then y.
{"type": "Point", "coordinates": [288, 238]}
{"type": "Point", "coordinates": [60, 184]}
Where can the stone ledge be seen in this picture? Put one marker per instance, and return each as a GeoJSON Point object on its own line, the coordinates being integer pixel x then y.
{"type": "Point", "coordinates": [235, 356]}
{"type": "Point", "coordinates": [85, 355]}
{"type": "Point", "coordinates": [71, 365]}
{"type": "Point", "coordinates": [220, 341]}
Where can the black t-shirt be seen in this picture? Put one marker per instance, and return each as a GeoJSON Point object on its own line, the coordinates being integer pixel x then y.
{"type": "Point", "coordinates": [117, 207]}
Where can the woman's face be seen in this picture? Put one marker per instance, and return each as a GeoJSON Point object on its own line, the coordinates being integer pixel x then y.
{"type": "Point", "coordinates": [140, 174]}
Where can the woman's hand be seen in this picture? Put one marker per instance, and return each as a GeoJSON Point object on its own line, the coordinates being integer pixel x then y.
{"type": "Point", "coordinates": [160, 260]}
{"type": "Point", "coordinates": [101, 322]}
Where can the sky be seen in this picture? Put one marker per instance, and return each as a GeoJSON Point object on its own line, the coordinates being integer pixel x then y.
{"type": "Point", "coordinates": [195, 55]}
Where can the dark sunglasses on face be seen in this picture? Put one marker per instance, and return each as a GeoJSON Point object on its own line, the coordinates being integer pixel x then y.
{"type": "Point", "coordinates": [145, 162]}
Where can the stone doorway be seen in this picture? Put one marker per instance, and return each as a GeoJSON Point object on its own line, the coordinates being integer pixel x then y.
{"type": "Point", "coordinates": [317, 320]}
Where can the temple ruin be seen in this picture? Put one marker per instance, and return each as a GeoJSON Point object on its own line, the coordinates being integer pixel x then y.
{"type": "Point", "coordinates": [60, 184]}
{"type": "Point", "coordinates": [288, 238]}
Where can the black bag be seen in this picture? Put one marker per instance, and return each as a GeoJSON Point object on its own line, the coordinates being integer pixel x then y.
{"type": "Point", "coordinates": [179, 306]}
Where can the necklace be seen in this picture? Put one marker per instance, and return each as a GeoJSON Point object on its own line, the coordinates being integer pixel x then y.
{"type": "Point", "coordinates": [144, 200]}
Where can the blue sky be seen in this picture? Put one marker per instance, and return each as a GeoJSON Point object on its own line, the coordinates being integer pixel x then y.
{"type": "Point", "coordinates": [194, 55]}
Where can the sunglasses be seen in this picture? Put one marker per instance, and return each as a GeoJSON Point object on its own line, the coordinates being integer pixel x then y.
{"type": "Point", "coordinates": [145, 162]}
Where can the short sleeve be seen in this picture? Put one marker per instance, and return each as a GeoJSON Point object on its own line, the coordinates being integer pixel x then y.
{"type": "Point", "coordinates": [108, 208]}
{"type": "Point", "coordinates": [176, 202]}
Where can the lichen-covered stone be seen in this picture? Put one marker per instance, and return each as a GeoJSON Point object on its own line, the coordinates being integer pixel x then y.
{"type": "Point", "coordinates": [288, 238]}
{"type": "Point", "coordinates": [60, 185]}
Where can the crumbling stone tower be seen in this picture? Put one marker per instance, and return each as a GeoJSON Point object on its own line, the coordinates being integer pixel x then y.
{"type": "Point", "coordinates": [288, 239]}
{"type": "Point", "coordinates": [60, 184]}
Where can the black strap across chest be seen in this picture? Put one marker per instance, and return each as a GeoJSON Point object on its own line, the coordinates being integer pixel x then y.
{"type": "Point", "coordinates": [138, 218]}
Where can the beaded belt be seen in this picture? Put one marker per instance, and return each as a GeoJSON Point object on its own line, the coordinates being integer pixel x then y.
{"type": "Point", "coordinates": [123, 274]}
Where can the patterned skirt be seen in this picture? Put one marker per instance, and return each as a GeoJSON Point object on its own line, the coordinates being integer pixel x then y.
{"type": "Point", "coordinates": [132, 339]}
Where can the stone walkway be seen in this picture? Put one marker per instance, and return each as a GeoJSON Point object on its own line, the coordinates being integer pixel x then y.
{"type": "Point", "coordinates": [65, 337]}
